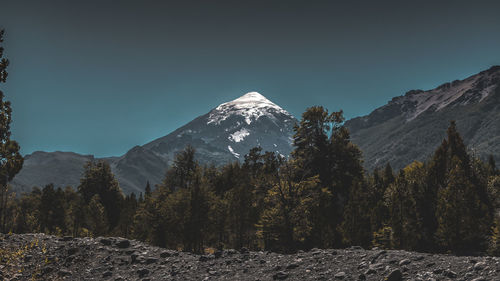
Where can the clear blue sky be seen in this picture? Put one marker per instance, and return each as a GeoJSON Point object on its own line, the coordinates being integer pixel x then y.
{"type": "Point", "coordinates": [98, 77]}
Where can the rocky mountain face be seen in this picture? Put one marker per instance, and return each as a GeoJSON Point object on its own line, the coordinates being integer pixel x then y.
{"type": "Point", "coordinates": [44, 257]}
{"type": "Point", "coordinates": [412, 126]}
{"type": "Point", "coordinates": [224, 134]}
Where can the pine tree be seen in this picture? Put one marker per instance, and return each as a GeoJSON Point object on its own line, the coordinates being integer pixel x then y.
{"type": "Point", "coordinates": [492, 167]}
{"type": "Point", "coordinates": [437, 179]}
{"type": "Point", "coordinates": [143, 223]}
{"type": "Point", "coordinates": [75, 212]}
{"type": "Point", "coordinates": [11, 160]}
{"type": "Point", "coordinates": [388, 177]}
{"type": "Point", "coordinates": [323, 148]}
{"type": "Point", "coordinates": [181, 173]}
{"type": "Point", "coordinates": [128, 210]}
{"type": "Point", "coordinates": [52, 213]}
{"type": "Point", "coordinates": [402, 199]}
{"type": "Point", "coordinates": [286, 224]}
{"type": "Point", "coordinates": [27, 214]}
{"type": "Point", "coordinates": [463, 208]}
{"type": "Point", "coordinates": [494, 191]}
{"type": "Point", "coordinates": [198, 222]}
{"type": "Point", "coordinates": [181, 205]}
{"type": "Point", "coordinates": [356, 227]}
{"type": "Point", "coordinates": [97, 217]}
{"type": "Point", "coordinates": [378, 184]}
{"type": "Point", "coordinates": [463, 218]}
{"type": "Point", "coordinates": [147, 190]}
{"type": "Point", "coordinates": [99, 180]}
{"type": "Point", "coordinates": [241, 216]}
{"type": "Point", "coordinates": [494, 245]}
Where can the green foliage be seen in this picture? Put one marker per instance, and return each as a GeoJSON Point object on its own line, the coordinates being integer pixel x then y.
{"type": "Point", "coordinates": [241, 212]}
{"type": "Point", "coordinates": [51, 210]}
{"type": "Point", "coordinates": [494, 243]}
{"type": "Point", "coordinates": [463, 207]}
{"type": "Point", "coordinates": [144, 220]}
{"type": "Point", "coordinates": [463, 220]}
{"type": "Point", "coordinates": [377, 186]}
{"type": "Point", "coordinates": [97, 217]}
{"type": "Point", "coordinates": [383, 238]}
{"type": "Point", "coordinates": [402, 198]}
{"type": "Point", "coordinates": [492, 167]}
{"type": "Point", "coordinates": [26, 217]}
{"type": "Point", "coordinates": [182, 171]}
{"type": "Point", "coordinates": [494, 191]}
{"type": "Point", "coordinates": [75, 213]}
{"type": "Point", "coordinates": [356, 226]}
{"type": "Point", "coordinates": [285, 223]}
{"type": "Point", "coordinates": [323, 148]}
{"type": "Point", "coordinates": [177, 213]}
{"type": "Point", "coordinates": [99, 180]}
{"type": "Point", "coordinates": [128, 211]}
{"type": "Point", "coordinates": [11, 160]}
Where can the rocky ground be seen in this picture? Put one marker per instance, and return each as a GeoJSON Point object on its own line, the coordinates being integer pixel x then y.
{"type": "Point", "coordinates": [44, 257]}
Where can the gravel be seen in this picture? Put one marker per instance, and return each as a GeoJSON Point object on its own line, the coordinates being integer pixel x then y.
{"type": "Point", "coordinates": [45, 257]}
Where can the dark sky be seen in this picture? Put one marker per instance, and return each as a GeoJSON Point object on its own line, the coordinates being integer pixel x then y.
{"type": "Point", "coordinates": [98, 77]}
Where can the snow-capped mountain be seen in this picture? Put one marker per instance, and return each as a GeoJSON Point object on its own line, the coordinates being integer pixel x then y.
{"type": "Point", "coordinates": [412, 126]}
{"type": "Point", "coordinates": [224, 134]}
{"type": "Point", "coordinates": [228, 131]}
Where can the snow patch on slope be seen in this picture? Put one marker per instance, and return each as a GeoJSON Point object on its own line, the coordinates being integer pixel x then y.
{"type": "Point", "coordinates": [251, 106]}
{"type": "Point", "coordinates": [239, 135]}
{"type": "Point", "coordinates": [237, 155]}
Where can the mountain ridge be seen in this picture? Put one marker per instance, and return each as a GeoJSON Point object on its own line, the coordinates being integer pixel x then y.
{"type": "Point", "coordinates": [226, 133]}
{"type": "Point", "coordinates": [411, 126]}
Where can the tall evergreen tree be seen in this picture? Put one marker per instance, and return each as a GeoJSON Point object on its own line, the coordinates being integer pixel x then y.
{"type": "Point", "coordinates": [97, 217]}
{"type": "Point", "coordinates": [27, 215]}
{"type": "Point", "coordinates": [377, 185]}
{"type": "Point", "coordinates": [492, 166]}
{"type": "Point", "coordinates": [11, 160]}
{"type": "Point", "coordinates": [75, 212]}
{"type": "Point", "coordinates": [323, 148]}
{"type": "Point", "coordinates": [403, 197]}
{"type": "Point", "coordinates": [463, 208]}
{"type": "Point", "coordinates": [52, 213]}
{"type": "Point", "coordinates": [356, 226]}
{"type": "Point", "coordinates": [241, 218]}
{"type": "Point", "coordinates": [99, 180]}
{"type": "Point", "coordinates": [286, 224]}
{"type": "Point", "coordinates": [181, 173]}
{"type": "Point", "coordinates": [147, 190]}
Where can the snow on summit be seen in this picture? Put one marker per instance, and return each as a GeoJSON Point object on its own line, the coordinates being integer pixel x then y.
{"type": "Point", "coordinates": [251, 106]}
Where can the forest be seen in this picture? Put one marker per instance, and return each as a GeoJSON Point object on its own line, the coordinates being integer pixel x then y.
{"type": "Point", "coordinates": [319, 197]}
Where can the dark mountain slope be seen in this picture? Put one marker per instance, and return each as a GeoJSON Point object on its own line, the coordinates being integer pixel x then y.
{"type": "Point", "coordinates": [410, 127]}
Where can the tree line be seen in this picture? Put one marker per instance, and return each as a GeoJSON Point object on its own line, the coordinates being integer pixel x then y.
{"type": "Point", "coordinates": [318, 197]}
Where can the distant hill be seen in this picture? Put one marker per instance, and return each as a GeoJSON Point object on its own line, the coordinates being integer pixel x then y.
{"type": "Point", "coordinates": [412, 126]}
